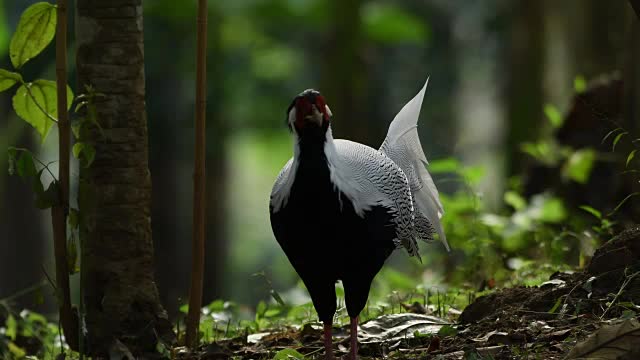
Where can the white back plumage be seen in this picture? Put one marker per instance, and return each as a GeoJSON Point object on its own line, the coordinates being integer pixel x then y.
{"type": "Point", "coordinates": [402, 145]}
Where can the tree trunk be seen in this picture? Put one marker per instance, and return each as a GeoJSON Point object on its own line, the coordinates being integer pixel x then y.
{"type": "Point", "coordinates": [121, 300]}
{"type": "Point", "coordinates": [524, 85]}
{"type": "Point", "coordinates": [344, 75]}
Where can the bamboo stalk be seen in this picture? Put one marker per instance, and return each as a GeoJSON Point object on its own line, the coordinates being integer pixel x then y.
{"type": "Point", "coordinates": [59, 210]}
{"type": "Point", "coordinates": [197, 262]}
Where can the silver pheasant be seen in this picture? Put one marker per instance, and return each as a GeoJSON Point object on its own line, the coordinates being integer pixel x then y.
{"type": "Point", "coordinates": [395, 176]}
{"type": "Point", "coordinates": [339, 208]}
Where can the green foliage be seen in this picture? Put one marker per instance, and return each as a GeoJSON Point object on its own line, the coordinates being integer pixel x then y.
{"type": "Point", "coordinates": [36, 103]}
{"type": "Point", "coordinates": [592, 211]}
{"type": "Point", "coordinates": [21, 163]}
{"type": "Point", "coordinates": [579, 165]}
{"type": "Point", "coordinates": [288, 354]}
{"type": "Point", "coordinates": [554, 115]}
{"type": "Point", "coordinates": [28, 333]}
{"type": "Point", "coordinates": [8, 79]}
{"type": "Point", "coordinates": [84, 152]}
{"type": "Point", "coordinates": [387, 23]}
{"type": "Point", "coordinates": [35, 31]}
{"type": "Point", "coordinates": [579, 84]}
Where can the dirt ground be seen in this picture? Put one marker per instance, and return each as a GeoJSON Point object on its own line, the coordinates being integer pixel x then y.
{"type": "Point", "coordinates": [542, 322]}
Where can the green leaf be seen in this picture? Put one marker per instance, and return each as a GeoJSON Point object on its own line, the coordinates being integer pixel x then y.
{"type": "Point", "coordinates": [591, 211]}
{"type": "Point", "coordinates": [387, 23]}
{"type": "Point", "coordinates": [555, 306]}
{"type": "Point", "coordinates": [630, 157]}
{"type": "Point", "coordinates": [554, 115]}
{"type": "Point", "coordinates": [288, 354]}
{"type": "Point", "coordinates": [609, 134]}
{"type": "Point", "coordinates": [76, 128]}
{"type": "Point", "coordinates": [25, 166]}
{"type": "Point", "coordinates": [271, 313]}
{"type": "Point", "coordinates": [36, 103]}
{"type": "Point", "coordinates": [8, 79]}
{"type": "Point", "coordinates": [260, 309]}
{"type": "Point", "coordinates": [448, 165]}
{"type": "Point", "coordinates": [553, 211]}
{"type": "Point", "coordinates": [16, 351]}
{"type": "Point", "coordinates": [36, 29]}
{"type": "Point", "coordinates": [77, 149]}
{"type": "Point", "coordinates": [623, 202]}
{"type": "Point", "coordinates": [579, 84]}
{"type": "Point", "coordinates": [447, 330]}
{"type": "Point", "coordinates": [84, 152]}
{"type": "Point", "coordinates": [617, 139]}
{"type": "Point", "coordinates": [515, 200]}
{"type": "Point", "coordinates": [11, 327]}
{"type": "Point", "coordinates": [579, 165]}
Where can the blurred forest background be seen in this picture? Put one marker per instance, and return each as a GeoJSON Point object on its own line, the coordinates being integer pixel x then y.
{"type": "Point", "coordinates": [512, 150]}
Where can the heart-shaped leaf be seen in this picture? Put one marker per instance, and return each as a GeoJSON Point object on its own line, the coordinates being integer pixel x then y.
{"type": "Point", "coordinates": [36, 103]}
{"type": "Point", "coordinates": [36, 29]}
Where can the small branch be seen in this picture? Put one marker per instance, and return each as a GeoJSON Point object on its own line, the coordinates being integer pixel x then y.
{"type": "Point", "coordinates": [624, 285]}
{"type": "Point", "coordinates": [198, 247]}
{"type": "Point", "coordinates": [24, 291]}
{"type": "Point", "coordinates": [68, 319]}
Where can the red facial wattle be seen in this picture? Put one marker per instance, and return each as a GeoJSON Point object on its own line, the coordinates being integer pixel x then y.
{"type": "Point", "coordinates": [322, 106]}
{"type": "Point", "coordinates": [304, 107]}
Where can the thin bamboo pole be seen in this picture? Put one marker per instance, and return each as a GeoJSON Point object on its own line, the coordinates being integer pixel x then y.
{"type": "Point", "coordinates": [197, 267]}
{"type": "Point", "coordinates": [59, 211]}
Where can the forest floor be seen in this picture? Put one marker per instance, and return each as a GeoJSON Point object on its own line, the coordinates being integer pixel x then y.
{"type": "Point", "coordinates": [550, 321]}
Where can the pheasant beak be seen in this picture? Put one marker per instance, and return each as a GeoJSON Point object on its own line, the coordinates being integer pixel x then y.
{"type": "Point", "coordinates": [314, 117]}
{"type": "Point", "coordinates": [308, 110]}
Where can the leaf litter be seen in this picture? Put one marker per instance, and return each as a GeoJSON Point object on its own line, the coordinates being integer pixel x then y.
{"type": "Point", "coordinates": [587, 315]}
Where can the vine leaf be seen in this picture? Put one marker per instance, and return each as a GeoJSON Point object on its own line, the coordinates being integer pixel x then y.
{"type": "Point", "coordinates": [36, 103]}
{"type": "Point", "coordinates": [8, 79]}
{"type": "Point", "coordinates": [84, 152]}
{"type": "Point", "coordinates": [610, 342]}
{"type": "Point", "coordinates": [21, 163]}
{"type": "Point", "coordinates": [36, 29]}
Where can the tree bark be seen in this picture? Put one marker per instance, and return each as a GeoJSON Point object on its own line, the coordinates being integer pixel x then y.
{"type": "Point", "coordinates": [120, 295]}
{"type": "Point", "coordinates": [524, 85]}
{"type": "Point", "coordinates": [344, 79]}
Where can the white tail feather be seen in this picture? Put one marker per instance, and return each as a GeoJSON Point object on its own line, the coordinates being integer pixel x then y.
{"type": "Point", "coordinates": [402, 145]}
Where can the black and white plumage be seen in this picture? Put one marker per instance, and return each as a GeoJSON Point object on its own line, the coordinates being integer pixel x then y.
{"type": "Point", "coordinates": [339, 208]}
